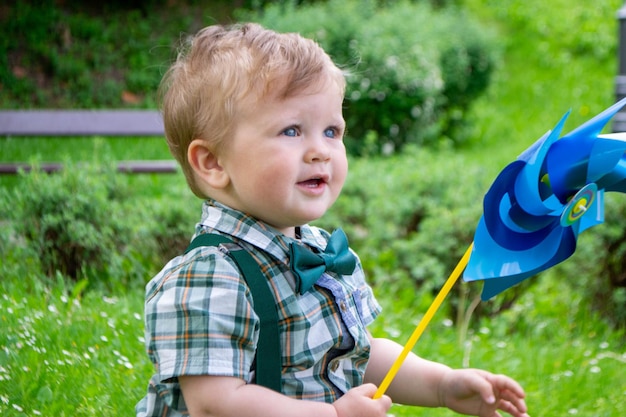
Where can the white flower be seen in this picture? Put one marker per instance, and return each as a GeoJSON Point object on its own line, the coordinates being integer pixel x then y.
{"type": "Point", "coordinates": [109, 300]}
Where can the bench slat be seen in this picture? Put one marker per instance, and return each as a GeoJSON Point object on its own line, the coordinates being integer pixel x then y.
{"type": "Point", "coordinates": [81, 123]}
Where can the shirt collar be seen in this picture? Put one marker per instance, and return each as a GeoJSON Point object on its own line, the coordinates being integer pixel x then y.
{"type": "Point", "coordinates": [221, 218]}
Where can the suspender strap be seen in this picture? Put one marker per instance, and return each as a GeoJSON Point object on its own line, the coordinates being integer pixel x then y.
{"type": "Point", "coordinates": [268, 354]}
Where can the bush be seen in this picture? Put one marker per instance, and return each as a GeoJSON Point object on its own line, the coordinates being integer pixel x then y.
{"type": "Point", "coordinates": [414, 71]}
{"type": "Point", "coordinates": [86, 223]}
{"type": "Point", "coordinates": [70, 219]}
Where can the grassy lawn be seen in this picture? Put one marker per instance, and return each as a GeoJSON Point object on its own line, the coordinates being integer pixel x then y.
{"type": "Point", "coordinates": [67, 354]}
{"type": "Point", "coordinates": [66, 351]}
{"type": "Point", "coordinates": [569, 364]}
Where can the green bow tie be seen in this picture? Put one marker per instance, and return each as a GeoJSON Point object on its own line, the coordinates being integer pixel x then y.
{"type": "Point", "coordinates": [308, 266]}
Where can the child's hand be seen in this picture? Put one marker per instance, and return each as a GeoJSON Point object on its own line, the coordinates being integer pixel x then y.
{"type": "Point", "coordinates": [358, 402]}
{"type": "Point", "coordinates": [481, 393]}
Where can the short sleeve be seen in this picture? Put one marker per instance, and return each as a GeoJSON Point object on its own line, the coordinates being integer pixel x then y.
{"type": "Point", "coordinates": [199, 318]}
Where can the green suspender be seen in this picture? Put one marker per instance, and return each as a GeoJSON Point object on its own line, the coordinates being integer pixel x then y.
{"type": "Point", "coordinates": [268, 358]}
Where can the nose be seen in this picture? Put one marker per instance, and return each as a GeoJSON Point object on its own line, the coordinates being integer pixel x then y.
{"type": "Point", "coordinates": [318, 149]}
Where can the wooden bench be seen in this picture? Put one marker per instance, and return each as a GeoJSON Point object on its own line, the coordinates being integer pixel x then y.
{"type": "Point", "coordinates": [60, 123]}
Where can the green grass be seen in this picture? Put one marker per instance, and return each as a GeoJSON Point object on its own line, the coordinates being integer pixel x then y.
{"type": "Point", "coordinates": [569, 364]}
{"type": "Point", "coordinates": [65, 351]}
{"type": "Point", "coordinates": [44, 149]}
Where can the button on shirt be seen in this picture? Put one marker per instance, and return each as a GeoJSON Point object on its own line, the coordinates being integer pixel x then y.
{"type": "Point", "coordinates": [200, 317]}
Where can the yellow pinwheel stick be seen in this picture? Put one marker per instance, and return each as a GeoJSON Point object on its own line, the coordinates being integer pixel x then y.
{"type": "Point", "coordinates": [417, 333]}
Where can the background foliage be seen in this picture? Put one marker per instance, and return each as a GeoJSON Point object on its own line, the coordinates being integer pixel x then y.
{"type": "Point", "coordinates": [72, 343]}
{"type": "Point", "coordinates": [414, 71]}
{"type": "Point", "coordinates": [79, 54]}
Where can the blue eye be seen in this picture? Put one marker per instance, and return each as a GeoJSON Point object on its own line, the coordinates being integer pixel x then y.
{"type": "Point", "coordinates": [290, 131]}
{"type": "Point", "coordinates": [330, 133]}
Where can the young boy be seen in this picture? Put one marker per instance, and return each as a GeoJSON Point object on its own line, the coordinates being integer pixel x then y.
{"type": "Point", "coordinates": [255, 120]}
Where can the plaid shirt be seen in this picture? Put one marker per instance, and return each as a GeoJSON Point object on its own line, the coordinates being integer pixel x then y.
{"type": "Point", "coordinates": [200, 318]}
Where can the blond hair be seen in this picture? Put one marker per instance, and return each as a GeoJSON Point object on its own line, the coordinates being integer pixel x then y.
{"type": "Point", "coordinates": [226, 68]}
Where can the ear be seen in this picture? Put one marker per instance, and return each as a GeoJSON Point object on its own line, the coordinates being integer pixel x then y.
{"type": "Point", "coordinates": [206, 164]}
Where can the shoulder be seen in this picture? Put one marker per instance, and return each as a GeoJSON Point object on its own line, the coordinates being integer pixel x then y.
{"type": "Point", "coordinates": [201, 268]}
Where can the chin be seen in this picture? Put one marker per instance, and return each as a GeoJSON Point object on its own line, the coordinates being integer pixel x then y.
{"type": "Point", "coordinates": [304, 214]}
{"type": "Point", "coordinates": [308, 219]}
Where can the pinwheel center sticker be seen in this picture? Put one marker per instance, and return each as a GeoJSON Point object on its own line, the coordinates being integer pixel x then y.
{"type": "Point", "coordinates": [578, 205]}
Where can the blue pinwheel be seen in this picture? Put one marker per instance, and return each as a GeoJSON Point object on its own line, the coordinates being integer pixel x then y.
{"type": "Point", "coordinates": [535, 210]}
{"type": "Point", "coordinates": [540, 203]}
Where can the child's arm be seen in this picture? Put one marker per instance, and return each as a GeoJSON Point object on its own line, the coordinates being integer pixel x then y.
{"type": "Point", "coordinates": [217, 396]}
{"type": "Point", "coordinates": [431, 384]}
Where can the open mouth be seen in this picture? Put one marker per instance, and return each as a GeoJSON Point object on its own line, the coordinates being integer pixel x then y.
{"type": "Point", "coordinates": [313, 182]}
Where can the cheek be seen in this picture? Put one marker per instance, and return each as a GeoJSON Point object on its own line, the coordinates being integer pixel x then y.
{"type": "Point", "coordinates": [341, 170]}
{"type": "Point", "coordinates": [270, 177]}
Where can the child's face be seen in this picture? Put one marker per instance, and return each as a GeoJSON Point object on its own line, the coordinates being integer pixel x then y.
{"type": "Point", "coordinates": [287, 162]}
